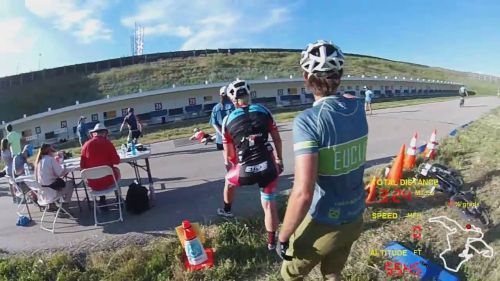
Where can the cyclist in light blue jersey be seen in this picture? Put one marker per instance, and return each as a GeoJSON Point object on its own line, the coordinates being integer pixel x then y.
{"type": "Point", "coordinates": [324, 214]}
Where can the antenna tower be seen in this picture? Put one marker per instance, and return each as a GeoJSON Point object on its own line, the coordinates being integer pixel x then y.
{"type": "Point", "coordinates": [137, 40]}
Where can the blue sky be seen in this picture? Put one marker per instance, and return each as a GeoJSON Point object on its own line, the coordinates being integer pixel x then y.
{"type": "Point", "coordinates": [460, 34]}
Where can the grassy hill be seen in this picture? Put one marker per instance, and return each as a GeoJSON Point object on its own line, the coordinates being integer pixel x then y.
{"type": "Point", "coordinates": [64, 90]}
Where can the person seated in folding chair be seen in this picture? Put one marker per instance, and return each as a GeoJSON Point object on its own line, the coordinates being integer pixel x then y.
{"type": "Point", "coordinates": [201, 136]}
{"type": "Point", "coordinates": [99, 151]}
{"type": "Point", "coordinates": [49, 173]}
{"type": "Point", "coordinates": [20, 167]}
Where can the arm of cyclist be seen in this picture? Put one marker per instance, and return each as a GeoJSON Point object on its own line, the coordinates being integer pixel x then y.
{"type": "Point", "coordinates": [279, 147]}
{"type": "Point", "coordinates": [306, 170]}
{"type": "Point", "coordinates": [123, 124]}
{"type": "Point", "coordinates": [218, 129]}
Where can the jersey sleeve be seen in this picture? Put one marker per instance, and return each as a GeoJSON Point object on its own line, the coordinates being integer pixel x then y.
{"type": "Point", "coordinates": [226, 137]}
{"type": "Point", "coordinates": [272, 123]}
{"type": "Point", "coordinates": [213, 117]}
{"type": "Point", "coordinates": [305, 136]}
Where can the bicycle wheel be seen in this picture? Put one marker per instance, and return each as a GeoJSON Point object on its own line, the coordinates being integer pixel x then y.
{"type": "Point", "coordinates": [468, 208]}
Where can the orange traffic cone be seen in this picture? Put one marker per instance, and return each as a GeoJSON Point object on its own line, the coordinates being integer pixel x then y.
{"type": "Point", "coordinates": [397, 168]}
{"type": "Point", "coordinates": [411, 154]}
{"type": "Point", "coordinates": [196, 257]}
{"type": "Point", "coordinates": [372, 190]}
{"type": "Point", "coordinates": [430, 151]}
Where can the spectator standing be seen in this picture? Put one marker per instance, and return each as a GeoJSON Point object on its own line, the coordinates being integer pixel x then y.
{"type": "Point", "coordinates": [7, 160]}
{"type": "Point", "coordinates": [82, 130]}
{"type": "Point", "coordinates": [14, 140]}
{"type": "Point", "coordinates": [220, 110]}
{"type": "Point", "coordinates": [7, 157]}
{"type": "Point", "coordinates": [99, 151]}
{"type": "Point", "coordinates": [368, 99]}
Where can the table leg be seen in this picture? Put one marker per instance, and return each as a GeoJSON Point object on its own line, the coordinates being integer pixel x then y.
{"type": "Point", "coordinates": [148, 169]}
{"type": "Point", "coordinates": [137, 173]}
{"type": "Point", "coordinates": [76, 191]}
{"type": "Point", "coordinates": [87, 195]}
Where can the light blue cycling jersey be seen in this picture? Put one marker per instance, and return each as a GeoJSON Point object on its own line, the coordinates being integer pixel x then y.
{"type": "Point", "coordinates": [335, 128]}
{"type": "Point", "coordinates": [368, 96]}
{"type": "Point", "coordinates": [218, 113]}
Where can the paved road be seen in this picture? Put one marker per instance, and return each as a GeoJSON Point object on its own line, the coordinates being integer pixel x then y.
{"type": "Point", "coordinates": [192, 175]}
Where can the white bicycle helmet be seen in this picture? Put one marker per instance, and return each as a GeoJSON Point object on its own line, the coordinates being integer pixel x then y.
{"type": "Point", "coordinates": [238, 89]}
{"type": "Point", "coordinates": [195, 130]}
{"type": "Point", "coordinates": [222, 91]}
{"type": "Point", "coordinates": [322, 56]}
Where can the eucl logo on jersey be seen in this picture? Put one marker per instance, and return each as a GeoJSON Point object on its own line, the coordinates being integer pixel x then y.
{"type": "Point", "coordinates": [342, 158]}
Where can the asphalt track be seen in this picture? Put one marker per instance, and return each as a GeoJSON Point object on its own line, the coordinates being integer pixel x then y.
{"type": "Point", "coordinates": [189, 178]}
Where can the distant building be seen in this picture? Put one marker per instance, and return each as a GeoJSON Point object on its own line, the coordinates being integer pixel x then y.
{"type": "Point", "coordinates": [174, 104]}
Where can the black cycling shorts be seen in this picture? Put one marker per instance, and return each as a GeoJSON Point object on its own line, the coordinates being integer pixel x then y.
{"type": "Point", "coordinates": [264, 173]}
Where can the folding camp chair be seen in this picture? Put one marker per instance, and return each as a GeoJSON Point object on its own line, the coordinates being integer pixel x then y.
{"type": "Point", "coordinates": [98, 173]}
{"type": "Point", "coordinates": [22, 204]}
{"type": "Point", "coordinates": [47, 196]}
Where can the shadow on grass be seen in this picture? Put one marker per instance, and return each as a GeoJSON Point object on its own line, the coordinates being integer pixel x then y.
{"type": "Point", "coordinates": [493, 234]}
{"type": "Point", "coordinates": [484, 179]}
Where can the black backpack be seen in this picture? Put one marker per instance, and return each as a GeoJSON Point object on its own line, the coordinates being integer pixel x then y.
{"type": "Point", "coordinates": [137, 199]}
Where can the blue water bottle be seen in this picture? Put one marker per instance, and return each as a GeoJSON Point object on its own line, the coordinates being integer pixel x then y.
{"type": "Point", "coordinates": [134, 150]}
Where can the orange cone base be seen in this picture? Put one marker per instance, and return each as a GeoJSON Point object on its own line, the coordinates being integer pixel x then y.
{"type": "Point", "coordinates": [209, 263]}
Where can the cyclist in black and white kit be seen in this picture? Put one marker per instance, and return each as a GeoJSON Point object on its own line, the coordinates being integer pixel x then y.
{"type": "Point", "coordinates": [249, 156]}
{"type": "Point", "coordinates": [462, 92]}
{"type": "Point", "coordinates": [134, 126]}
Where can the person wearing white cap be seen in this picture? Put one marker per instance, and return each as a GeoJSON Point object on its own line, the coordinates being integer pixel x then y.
{"type": "Point", "coordinates": [99, 151]}
{"type": "Point", "coordinates": [219, 111]}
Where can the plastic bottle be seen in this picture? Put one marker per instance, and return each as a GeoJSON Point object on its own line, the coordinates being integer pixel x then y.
{"type": "Point", "coordinates": [124, 149]}
{"type": "Point", "coordinates": [133, 149]}
{"type": "Point", "coordinates": [26, 169]}
{"type": "Point", "coordinates": [194, 249]}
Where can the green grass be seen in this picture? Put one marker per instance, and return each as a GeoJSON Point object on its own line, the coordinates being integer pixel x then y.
{"type": "Point", "coordinates": [240, 245]}
{"type": "Point", "coordinates": [64, 90]}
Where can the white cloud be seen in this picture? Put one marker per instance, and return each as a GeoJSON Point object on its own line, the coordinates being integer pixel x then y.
{"type": "Point", "coordinates": [92, 30]}
{"type": "Point", "coordinates": [77, 17]}
{"type": "Point", "coordinates": [165, 29]}
{"type": "Point", "coordinates": [276, 16]}
{"type": "Point", "coordinates": [206, 24]}
{"type": "Point", "coordinates": [13, 32]}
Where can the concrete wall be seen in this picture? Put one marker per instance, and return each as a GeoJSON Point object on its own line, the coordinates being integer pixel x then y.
{"type": "Point", "coordinates": [280, 92]}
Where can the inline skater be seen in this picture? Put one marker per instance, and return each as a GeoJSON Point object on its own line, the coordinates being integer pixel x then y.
{"type": "Point", "coordinates": [134, 126]}
{"type": "Point", "coordinates": [249, 156]}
